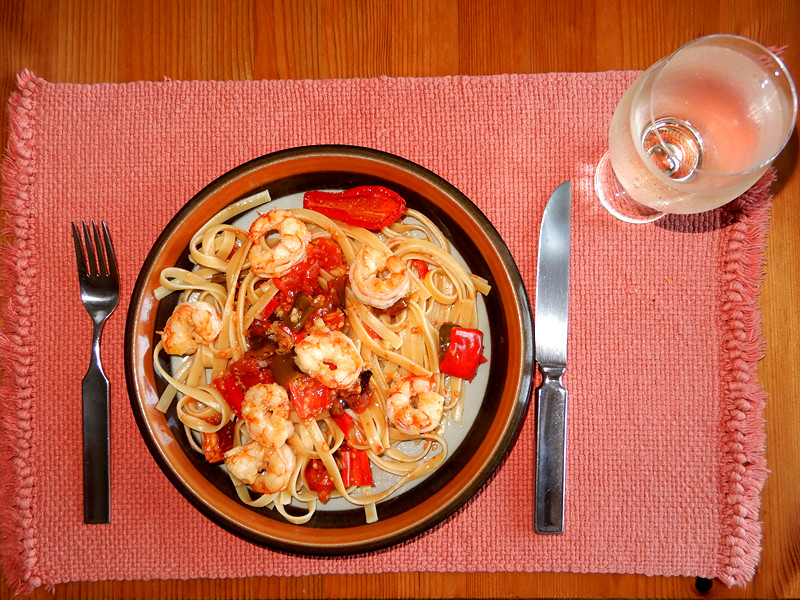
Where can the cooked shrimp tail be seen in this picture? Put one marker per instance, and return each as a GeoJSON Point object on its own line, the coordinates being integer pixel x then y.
{"type": "Point", "coordinates": [414, 406]}
{"type": "Point", "coordinates": [330, 357]}
{"type": "Point", "coordinates": [190, 326]}
{"type": "Point", "coordinates": [379, 279]}
{"type": "Point", "coordinates": [276, 260]}
{"type": "Point", "coordinates": [265, 408]}
{"type": "Point", "coordinates": [266, 469]}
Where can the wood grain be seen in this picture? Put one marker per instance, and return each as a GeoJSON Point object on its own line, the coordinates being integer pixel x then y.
{"type": "Point", "coordinates": [85, 41]}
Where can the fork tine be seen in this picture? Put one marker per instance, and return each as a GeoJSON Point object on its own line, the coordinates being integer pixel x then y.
{"type": "Point", "coordinates": [112, 259]}
{"type": "Point", "coordinates": [98, 245]}
{"type": "Point", "coordinates": [78, 251]}
{"type": "Point", "coordinates": [91, 259]}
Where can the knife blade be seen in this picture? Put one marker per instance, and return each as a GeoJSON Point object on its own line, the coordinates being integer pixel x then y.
{"type": "Point", "coordinates": [550, 330]}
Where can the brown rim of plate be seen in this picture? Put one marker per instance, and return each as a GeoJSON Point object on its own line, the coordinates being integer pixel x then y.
{"type": "Point", "coordinates": [511, 365]}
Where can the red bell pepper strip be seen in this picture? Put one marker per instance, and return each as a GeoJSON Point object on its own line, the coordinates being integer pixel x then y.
{"type": "Point", "coordinates": [230, 389]}
{"type": "Point", "coordinates": [462, 349]}
{"type": "Point", "coordinates": [266, 313]}
{"type": "Point", "coordinates": [355, 467]}
{"type": "Point", "coordinates": [345, 422]}
{"type": "Point", "coordinates": [369, 206]}
{"type": "Point", "coordinates": [371, 332]}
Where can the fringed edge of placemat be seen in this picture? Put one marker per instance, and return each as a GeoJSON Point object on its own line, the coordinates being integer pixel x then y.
{"type": "Point", "coordinates": [743, 469]}
{"type": "Point", "coordinates": [18, 537]}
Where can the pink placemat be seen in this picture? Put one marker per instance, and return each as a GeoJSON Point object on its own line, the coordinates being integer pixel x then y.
{"type": "Point", "coordinates": [666, 442]}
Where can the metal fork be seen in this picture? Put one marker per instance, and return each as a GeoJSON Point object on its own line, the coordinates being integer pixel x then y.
{"type": "Point", "coordinates": [99, 282]}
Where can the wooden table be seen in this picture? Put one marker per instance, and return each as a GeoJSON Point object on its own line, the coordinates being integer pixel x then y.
{"type": "Point", "coordinates": [85, 41]}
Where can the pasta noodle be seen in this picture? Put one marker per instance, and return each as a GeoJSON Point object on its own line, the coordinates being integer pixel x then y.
{"type": "Point", "coordinates": [304, 354]}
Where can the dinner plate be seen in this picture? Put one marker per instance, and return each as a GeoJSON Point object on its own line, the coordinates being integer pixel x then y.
{"type": "Point", "coordinates": [497, 399]}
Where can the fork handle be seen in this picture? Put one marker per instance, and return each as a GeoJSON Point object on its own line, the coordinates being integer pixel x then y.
{"type": "Point", "coordinates": [96, 471]}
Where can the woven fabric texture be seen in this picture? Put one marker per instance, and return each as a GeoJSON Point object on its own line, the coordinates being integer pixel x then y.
{"type": "Point", "coordinates": [666, 435]}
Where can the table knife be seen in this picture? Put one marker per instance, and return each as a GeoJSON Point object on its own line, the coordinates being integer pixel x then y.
{"type": "Point", "coordinates": [550, 330]}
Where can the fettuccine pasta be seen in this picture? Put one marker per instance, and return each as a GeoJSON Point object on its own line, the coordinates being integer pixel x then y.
{"type": "Point", "coordinates": [306, 354]}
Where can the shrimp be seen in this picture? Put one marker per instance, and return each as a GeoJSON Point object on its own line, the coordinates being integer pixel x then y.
{"type": "Point", "coordinates": [266, 409]}
{"type": "Point", "coordinates": [274, 261]}
{"type": "Point", "coordinates": [191, 325]}
{"type": "Point", "coordinates": [377, 278]}
{"type": "Point", "coordinates": [267, 469]}
{"type": "Point", "coordinates": [414, 406]}
{"type": "Point", "coordinates": [330, 357]}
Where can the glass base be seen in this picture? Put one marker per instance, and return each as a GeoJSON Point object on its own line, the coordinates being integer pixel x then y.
{"type": "Point", "coordinates": [616, 200]}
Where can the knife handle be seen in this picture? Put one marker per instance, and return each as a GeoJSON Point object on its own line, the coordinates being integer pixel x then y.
{"type": "Point", "coordinates": [551, 445]}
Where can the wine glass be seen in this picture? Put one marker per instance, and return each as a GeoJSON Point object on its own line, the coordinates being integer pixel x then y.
{"type": "Point", "coordinates": [696, 129]}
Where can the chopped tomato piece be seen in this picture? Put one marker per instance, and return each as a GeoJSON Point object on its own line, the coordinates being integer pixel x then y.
{"type": "Point", "coordinates": [250, 370]}
{"type": "Point", "coordinates": [334, 320]}
{"type": "Point", "coordinates": [217, 443]}
{"type": "Point", "coordinates": [420, 266]}
{"type": "Point", "coordinates": [369, 206]}
{"type": "Point", "coordinates": [359, 399]}
{"type": "Point", "coordinates": [303, 277]}
{"type": "Point", "coordinates": [231, 390]}
{"type": "Point", "coordinates": [259, 328]}
{"type": "Point", "coordinates": [309, 396]}
{"type": "Point", "coordinates": [261, 376]}
{"type": "Point", "coordinates": [329, 253]}
{"type": "Point", "coordinates": [318, 479]}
